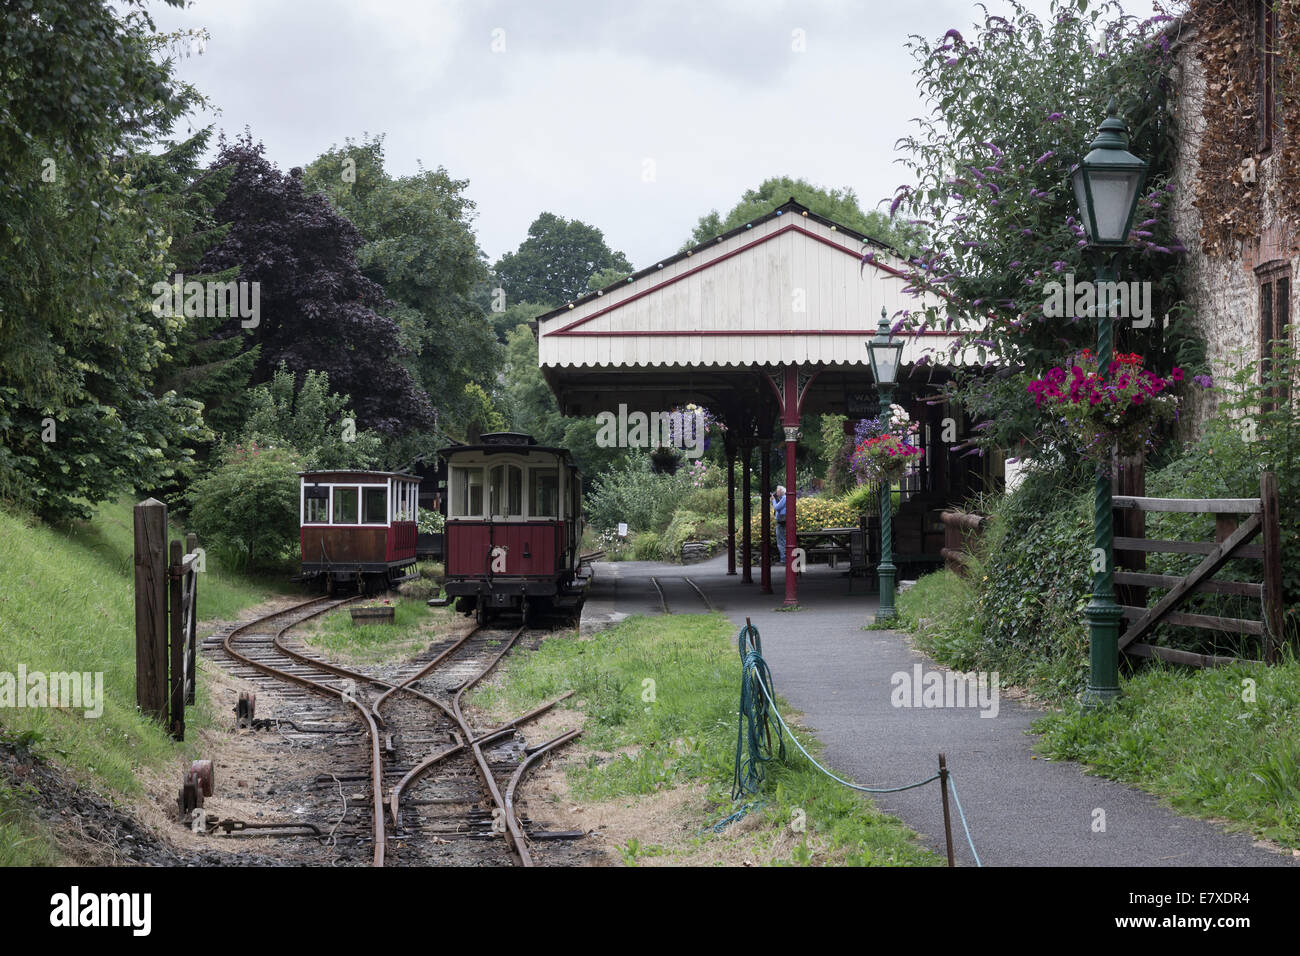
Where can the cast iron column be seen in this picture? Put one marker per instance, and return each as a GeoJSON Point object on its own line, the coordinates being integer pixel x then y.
{"type": "Point", "coordinates": [1102, 612]}
{"type": "Point", "coordinates": [886, 571]}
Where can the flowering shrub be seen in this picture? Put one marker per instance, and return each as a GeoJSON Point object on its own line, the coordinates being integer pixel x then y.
{"type": "Point", "coordinates": [881, 451]}
{"type": "Point", "coordinates": [1125, 406]}
{"type": "Point", "coordinates": [430, 521]}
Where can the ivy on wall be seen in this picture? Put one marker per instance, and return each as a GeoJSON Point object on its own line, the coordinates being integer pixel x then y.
{"type": "Point", "coordinates": [1231, 208]}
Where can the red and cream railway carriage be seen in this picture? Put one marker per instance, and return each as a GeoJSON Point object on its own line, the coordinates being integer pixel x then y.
{"type": "Point", "coordinates": [514, 524]}
{"type": "Point", "coordinates": [357, 528]}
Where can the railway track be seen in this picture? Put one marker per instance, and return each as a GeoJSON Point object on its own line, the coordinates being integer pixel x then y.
{"type": "Point", "coordinates": [668, 606]}
{"type": "Point", "coordinates": [412, 725]}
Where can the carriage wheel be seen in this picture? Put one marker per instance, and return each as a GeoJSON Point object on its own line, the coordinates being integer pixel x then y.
{"type": "Point", "coordinates": [480, 612]}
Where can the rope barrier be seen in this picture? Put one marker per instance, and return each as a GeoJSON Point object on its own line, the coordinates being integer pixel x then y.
{"type": "Point", "coordinates": [757, 706]}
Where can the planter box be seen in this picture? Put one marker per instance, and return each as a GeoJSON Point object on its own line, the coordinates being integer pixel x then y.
{"type": "Point", "coordinates": [372, 615]}
{"type": "Point", "coordinates": [429, 546]}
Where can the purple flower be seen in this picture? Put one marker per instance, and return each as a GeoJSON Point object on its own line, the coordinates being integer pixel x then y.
{"type": "Point", "coordinates": [1205, 381]}
{"type": "Point", "coordinates": [1053, 117]}
{"type": "Point", "coordinates": [1047, 155]}
{"type": "Point", "coordinates": [953, 35]}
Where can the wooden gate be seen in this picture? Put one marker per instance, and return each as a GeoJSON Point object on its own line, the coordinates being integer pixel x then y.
{"type": "Point", "coordinates": [166, 618]}
{"type": "Point", "coordinates": [1233, 537]}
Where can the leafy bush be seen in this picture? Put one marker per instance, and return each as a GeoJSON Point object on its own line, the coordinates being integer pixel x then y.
{"type": "Point", "coordinates": [634, 494]}
{"type": "Point", "coordinates": [1033, 579]}
{"type": "Point", "coordinates": [647, 546]}
{"type": "Point", "coordinates": [689, 526]}
{"type": "Point", "coordinates": [707, 501]}
{"type": "Point", "coordinates": [247, 509]}
{"type": "Point", "coordinates": [312, 419]}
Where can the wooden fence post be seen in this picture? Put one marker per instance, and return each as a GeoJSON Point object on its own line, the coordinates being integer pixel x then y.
{"type": "Point", "coordinates": [176, 642]}
{"type": "Point", "coordinates": [1131, 479]}
{"type": "Point", "coordinates": [1273, 617]}
{"type": "Point", "coordinates": [192, 625]}
{"type": "Point", "coordinates": [150, 525]}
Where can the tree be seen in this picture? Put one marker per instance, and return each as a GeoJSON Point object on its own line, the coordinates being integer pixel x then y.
{"type": "Point", "coordinates": [80, 421]}
{"type": "Point", "coordinates": [420, 248]}
{"type": "Point", "coordinates": [247, 508]}
{"type": "Point", "coordinates": [1012, 108]}
{"type": "Point", "coordinates": [840, 205]}
{"type": "Point", "coordinates": [315, 422]}
{"type": "Point", "coordinates": [318, 312]}
{"type": "Point", "coordinates": [554, 263]}
{"type": "Point", "coordinates": [209, 362]}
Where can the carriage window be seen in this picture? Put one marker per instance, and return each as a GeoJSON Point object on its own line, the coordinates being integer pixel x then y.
{"type": "Point", "coordinates": [496, 490]}
{"type": "Point", "coordinates": [316, 510]}
{"type": "Point", "coordinates": [506, 491]}
{"type": "Point", "coordinates": [374, 506]}
{"type": "Point", "coordinates": [545, 493]}
{"type": "Point", "coordinates": [514, 491]}
{"type": "Point", "coordinates": [345, 506]}
{"type": "Point", "coordinates": [466, 492]}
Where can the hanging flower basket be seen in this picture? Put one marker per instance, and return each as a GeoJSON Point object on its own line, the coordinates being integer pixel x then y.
{"type": "Point", "coordinates": [882, 451]}
{"type": "Point", "coordinates": [1123, 409]}
{"type": "Point", "coordinates": [665, 461]}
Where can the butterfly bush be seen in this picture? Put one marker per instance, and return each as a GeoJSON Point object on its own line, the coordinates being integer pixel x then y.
{"type": "Point", "coordinates": [1126, 406]}
{"type": "Point", "coordinates": [881, 447]}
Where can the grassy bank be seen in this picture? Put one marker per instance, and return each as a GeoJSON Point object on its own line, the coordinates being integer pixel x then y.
{"type": "Point", "coordinates": [1194, 737]}
{"type": "Point", "coordinates": [659, 698]}
{"type": "Point", "coordinates": [1221, 743]}
{"type": "Point", "coordinates": [67, 603]}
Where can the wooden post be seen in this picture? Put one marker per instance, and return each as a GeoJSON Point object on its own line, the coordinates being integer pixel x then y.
{"type": "Point", "coordinates": [192, 625]}
{"type": "Point", "coordinates": [1132, 523]}
{"type": "Point", "coordinates": [747, 569]}
{"type": "Point", "coordinates": [1273, 617]}
{"type": "Point", "coordinates": [731, 508]}
{"type": "Point", "coordinates": [150, 524]}
{"type": "Point", "coordinates": [176, 642]}
{"type": "Point", "coordinates": [765, 523]}
{"type": "Point", "coordinates": [947, 820]}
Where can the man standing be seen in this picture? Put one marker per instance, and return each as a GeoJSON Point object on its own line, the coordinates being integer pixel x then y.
{"type": "Point", "coordinates": [778, 509]}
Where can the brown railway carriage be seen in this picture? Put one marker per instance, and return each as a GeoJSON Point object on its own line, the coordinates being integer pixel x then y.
{"type": "Point", "coordinates": [514, 524]}
{"type": "Point", "coordinates": [358, 528]}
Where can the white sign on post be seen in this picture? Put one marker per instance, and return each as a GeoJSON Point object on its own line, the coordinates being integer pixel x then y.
{"type": "Point", "coordinates": [622, 529]}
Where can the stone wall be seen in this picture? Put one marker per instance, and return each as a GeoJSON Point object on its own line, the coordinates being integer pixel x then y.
{"type": "Point", "coordinates": [1223, 290]}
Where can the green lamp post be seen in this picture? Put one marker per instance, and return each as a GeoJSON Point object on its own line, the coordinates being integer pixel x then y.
{"type": "Point", "coordinates": [1106, 185]}
{"type": "Point", "coordinates": [886, 355]}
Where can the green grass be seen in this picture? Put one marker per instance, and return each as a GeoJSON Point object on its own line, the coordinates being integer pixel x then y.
{"type": "Point", "coordinates": [412, 621]}
{"type": "Point", "coordinates": [67, 603]}
{"type": "Point", "coordinates": [660, 696]}
{"type": "Point", "coordinates": [1193, 738]}
{"type": "Point", "coordinates": [939, 611]}
{"type": "Point", "coordinates": [1183, 734]}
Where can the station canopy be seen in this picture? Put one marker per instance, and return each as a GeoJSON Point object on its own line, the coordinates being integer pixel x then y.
{"type": "Point", "coordinates": [788, 290]}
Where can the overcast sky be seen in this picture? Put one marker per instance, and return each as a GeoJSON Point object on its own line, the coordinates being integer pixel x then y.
{"type": "Point", "coordinates": [637, 116]}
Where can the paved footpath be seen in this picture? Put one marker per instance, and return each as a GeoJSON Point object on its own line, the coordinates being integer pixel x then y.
{"type": "Point", "coordinates": [1023, 810]}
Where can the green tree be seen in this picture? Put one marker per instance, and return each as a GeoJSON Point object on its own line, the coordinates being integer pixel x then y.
{"type": "Point", "coordinates": [555, 262]}
{"type": "Point", "coordinates": [247, 508]}
{"type": "Point", "coordinates": [80, 420]}
{"type": "Point", "coordinates": [315, 422]}
{"type": "Point", "coordinates": [419, 246]}
{"type": "Point", "coordinates": [840, 205]}
{"type": "Point", "coordinates": [1012, 105]}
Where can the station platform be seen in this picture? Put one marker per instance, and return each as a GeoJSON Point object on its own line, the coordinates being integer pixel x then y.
{"type": "Point", "coordinates": [826, 661]}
